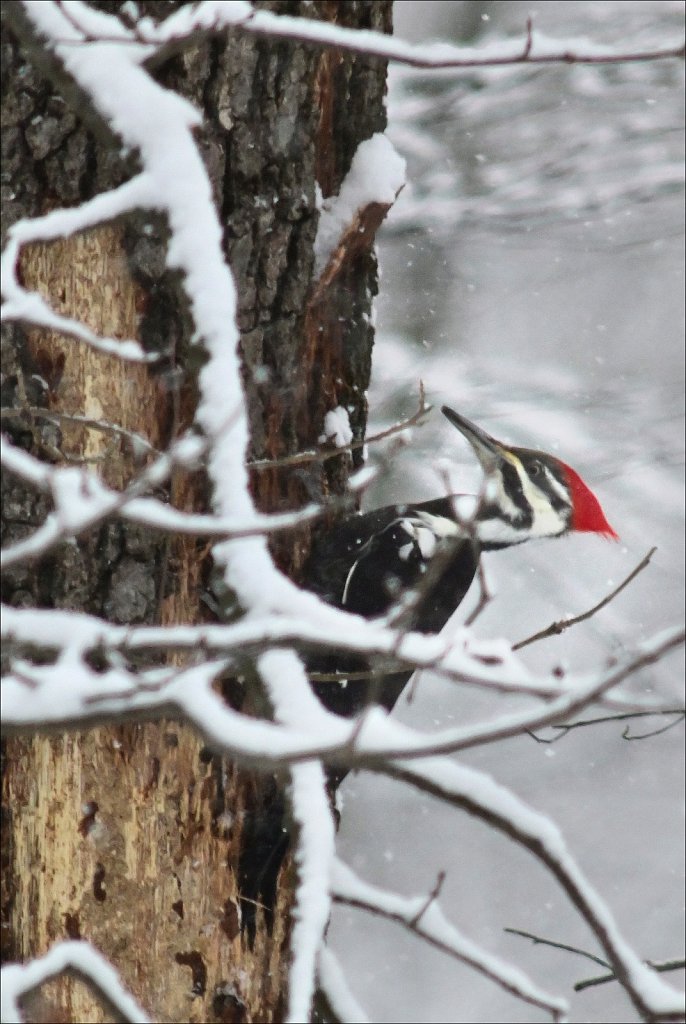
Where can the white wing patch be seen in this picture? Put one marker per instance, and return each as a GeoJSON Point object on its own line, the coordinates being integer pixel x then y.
{"type": "Point", "coordinates": [405, 551]}
{"type": "Point", "coordinates": [440, 526]}
{"type": "Point", "coordinates": [426, 540]}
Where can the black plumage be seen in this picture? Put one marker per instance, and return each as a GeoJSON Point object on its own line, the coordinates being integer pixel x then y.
{"type": "Point", "coordinates": [392, 562]}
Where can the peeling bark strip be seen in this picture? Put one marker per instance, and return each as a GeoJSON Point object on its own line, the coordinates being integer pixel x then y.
{"type": "Point", "coordinates": [134, 837]}
{"type": "Point", "coordinates": [356, 241]}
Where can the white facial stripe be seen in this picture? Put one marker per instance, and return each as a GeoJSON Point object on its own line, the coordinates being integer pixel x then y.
{"type": "Point", "coordinates": [498, 531]}
{"type": "Point", "coordinates": [547, 522]}
{"type": "Point", "coordinates": [555, 485]}
{"type": "Point", "coordinates": [503, 499]}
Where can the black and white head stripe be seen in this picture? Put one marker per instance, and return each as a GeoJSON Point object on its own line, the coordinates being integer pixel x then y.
{"type": "Point", "coordinates": [526, 497]}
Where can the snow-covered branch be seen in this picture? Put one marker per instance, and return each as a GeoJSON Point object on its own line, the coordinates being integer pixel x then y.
{"type": "Point", "coordinates": [69, 692]}
{"type": "Point", "coordinates": [19, 304]}
{"type": "Point", "coordinates": [479, 795]}
{"type": "Point", "coordinates": [79, 958]}
{"type": "Point", "coordinates": [334, 985]}
{"type": "Point", "coordinates": [188, 25]}
{"type": "Point", "coordinates": [535, 48]}
{"type": "Point", "coordinates": [295, 705]}
{"type": "Point", "coordinates": [426, 920]}
{"type": "Point", "coordinates": [309, 623]}
{"type": "Point", "coordinates": [81, 501]}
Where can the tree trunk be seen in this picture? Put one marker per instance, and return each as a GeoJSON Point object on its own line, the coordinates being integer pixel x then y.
{"type": "Point", "coordinates": [136, 836]}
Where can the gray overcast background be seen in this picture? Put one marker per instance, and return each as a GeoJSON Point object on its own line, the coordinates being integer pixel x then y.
{"type": "Point", "coordinates": [533, 278]}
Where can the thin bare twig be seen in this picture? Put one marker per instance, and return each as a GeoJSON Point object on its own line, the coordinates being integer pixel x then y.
{"type": "Point", "coordinates": [322, 454]}
{"type": "Point", "coordinates": [103, 426]}
{"type": "Point", "coordinates": [373, 44]}
{"type": "Point", "coordinates": [681, 714]}
{"type": "Point", "coordinates": [661, 966]}
{"type": "Point", "coordinates": [555, 628]}
{"type": "Point", "coordinates": [565, 727]}
{"type": "Point", "coordinates": [539, 941]}
{"type": "Point", "coordinates": [431, 898]}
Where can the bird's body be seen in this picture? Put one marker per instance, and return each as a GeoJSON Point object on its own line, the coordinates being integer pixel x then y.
{"type": "Point", "coordinates": [388, 562]}
{"type": "Point", "coordinates": [415, 563]}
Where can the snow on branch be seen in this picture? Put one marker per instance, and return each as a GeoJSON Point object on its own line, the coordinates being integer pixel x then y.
{"type": "Point", "coordinates": [82, 501]}
{"type": "Point", "coordinates": [80, 498]}
{"type": "Point", "coordinates": [311, 624]}
{"type": "Point", "coordinates": [479, 795]}
{"type": "Point", "coordinates": [424, 918]}
{"type": "Point", "coordinates": [334, 985]}
{"type": "Point", "coordinates": [186, 26]}
{"type": "Point", "coordinates": [79, 958]}
{"type": "Point", "coordinates": [19, 304]}
{"type": "Point", "coordinates": [295, 705]}
{"type": "Point", "coordinates": [536, 48]}
{"type": "Point", "coordinates": [68, 692]}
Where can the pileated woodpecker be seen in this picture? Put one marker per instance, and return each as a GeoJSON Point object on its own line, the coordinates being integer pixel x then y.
{"type": "Point", "coordinates": [415, 563]}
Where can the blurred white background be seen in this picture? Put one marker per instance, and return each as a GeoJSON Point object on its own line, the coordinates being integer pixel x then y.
{"type": "Point", "coordinates": [533, 278]}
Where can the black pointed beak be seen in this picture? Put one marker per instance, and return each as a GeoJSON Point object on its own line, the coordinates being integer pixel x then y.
{"type": "Point", "coordinates": [487, 450]}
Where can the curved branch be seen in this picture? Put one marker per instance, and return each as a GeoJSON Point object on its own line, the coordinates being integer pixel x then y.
{"type": "Point", "coordinates": [482, 798]}
{"type": "Point", "coordinates": [555, 628]}
{"type": "Point", "coordinates": [424, 918]}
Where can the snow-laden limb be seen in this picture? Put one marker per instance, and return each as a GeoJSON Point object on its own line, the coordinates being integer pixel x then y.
{"type": "Point", "coordinates": [534, 49]}
{"type": "Point", "coordinates": [20, 304]}
{"type": "Point", "coordinates": [295, 705]}
{"type": "Point", "coordinates": [75, 957]}
{"type": "Point", "coordinates": [70, 692]}
{"type": "Point", "coordinates": [314, 850]}
{"type": "Point", "coordinates": [308, 622]}
{"type": "Point", "coordinates": [478, 794]}
{"type": "Point", "coordinates": [82, 500]}
{"type": "Point", "coordinates": [211, 16]}
{"type": "Point", "coordinates": [426, 919]}
{"type": "Point", "coordinates": [334, 985]}
{"type": "Point", "coordinates": [80, 497]}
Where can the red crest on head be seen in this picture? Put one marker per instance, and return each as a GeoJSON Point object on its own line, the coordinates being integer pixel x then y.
{"type": "Point", "coordinates": [587, 515]}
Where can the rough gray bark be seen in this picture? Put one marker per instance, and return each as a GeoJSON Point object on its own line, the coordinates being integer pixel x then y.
{"type": "Point", "coordinates": [132, 836]}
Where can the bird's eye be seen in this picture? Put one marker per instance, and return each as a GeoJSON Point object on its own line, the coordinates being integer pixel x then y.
{"type": "Point", "coordinates": [536, 468]}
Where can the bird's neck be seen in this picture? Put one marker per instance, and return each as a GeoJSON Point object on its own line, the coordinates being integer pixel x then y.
{"type": "Point", "coordinates": [489, 524]}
